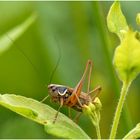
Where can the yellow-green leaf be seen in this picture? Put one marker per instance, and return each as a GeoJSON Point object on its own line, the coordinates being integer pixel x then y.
{"type": "Point", "coordinates": [7, 39]}
{"type": "Point", "coordinates": [134, 133]}
{"type": "Point", "coordinates": [43, 114]}
{"type": "Point", "coordinates": [127, 57]}
{"type": "Point", "coordinates": [116, 21]}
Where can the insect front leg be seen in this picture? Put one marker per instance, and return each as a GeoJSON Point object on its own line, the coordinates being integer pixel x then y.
{"type": "Point", "coordinates": [44, 99]}
{"type": "Point", "coordinates": [61, 104]}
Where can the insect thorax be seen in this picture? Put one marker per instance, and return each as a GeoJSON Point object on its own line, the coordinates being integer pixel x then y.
{"type": "Point", "coordinates": [59, 91]}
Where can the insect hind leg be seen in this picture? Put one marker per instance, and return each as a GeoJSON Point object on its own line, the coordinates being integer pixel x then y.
{"type": "Point", "coordinates": [78, 89]}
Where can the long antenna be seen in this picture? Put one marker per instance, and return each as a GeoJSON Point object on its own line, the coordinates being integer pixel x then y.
{"type": "Point", "coordinates": [28, 59]}
{"type": "Point", "coordinates": [23, 53]}
{"type": "Point", "coordinates": [58, 61]}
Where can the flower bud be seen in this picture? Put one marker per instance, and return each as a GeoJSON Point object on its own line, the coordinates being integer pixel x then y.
{"type": "Point", "coordinates": [126, 57]}
{"type": "Point", "coordinates": [93, 111]}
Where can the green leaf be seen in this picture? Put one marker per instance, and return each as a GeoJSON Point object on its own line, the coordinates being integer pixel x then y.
{"type": "Point", "coordinates": [43, 114]}
{"type": "Point", "coordinates": [116, 21]}
{"type": "Point", "coordinates": [134, 133]}
{"type": "Point", "coordinates": [8, 38]}
{"type": "Point", "coordinates": [126, 57]}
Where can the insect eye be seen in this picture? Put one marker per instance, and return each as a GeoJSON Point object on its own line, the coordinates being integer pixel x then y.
{"type": "Point", "coordinates": [53, 90]}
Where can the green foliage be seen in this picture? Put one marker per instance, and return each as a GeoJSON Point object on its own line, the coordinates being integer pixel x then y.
{"type": "Point", "coordinates": [43, 114]}
{"type": "Point", "coordinates": [8, 38]}
{"type": "Point", "coordinates": [126, 56]}
{"type": "Point", "coordinates": [79, 29]}
{"type": "Point", "coordinates": [116, 20]}
{"type": "Point", "coordinates": [134, 133]}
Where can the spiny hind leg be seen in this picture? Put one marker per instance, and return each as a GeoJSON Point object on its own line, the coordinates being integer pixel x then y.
{"type": "Point", "coordinates": [89, 66]}
{"type": "Point", "coordinates": [89, 75]}
{"type": "Point", "coordinates": [78, 89]}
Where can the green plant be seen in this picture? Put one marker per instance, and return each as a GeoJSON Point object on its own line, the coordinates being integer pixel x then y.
{"type": "Point", "coordinates": [126, 62]}
{"type": "Point", "coordinates": [126, 56]}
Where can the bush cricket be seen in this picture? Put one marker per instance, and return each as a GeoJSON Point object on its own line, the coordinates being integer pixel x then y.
{"type": "Point", "coordinates": [74, 97]}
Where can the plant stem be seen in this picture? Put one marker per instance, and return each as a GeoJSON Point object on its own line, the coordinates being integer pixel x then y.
{"type": "Point", "coordinates": [107, 43]}
{"type": "Point", "coordinates": [98, 131]}
{"type": "Point", "coordinates": [119, 109]}
{"type": "Point", "coordinates": [97, 127]}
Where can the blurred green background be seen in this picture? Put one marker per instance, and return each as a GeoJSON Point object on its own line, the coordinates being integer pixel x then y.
{"type": "Point", "coordinates": [79, 30]}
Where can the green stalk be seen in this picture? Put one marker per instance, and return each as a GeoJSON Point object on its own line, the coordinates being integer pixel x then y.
{"type": "Point", "coordinates": [98, 131]}
{"type": "Point", "coordinates": [97, 126]}
{"type": "Point", "coordinates": [99, 16]}
{"type": "Point", "coordinates": [124, 91]}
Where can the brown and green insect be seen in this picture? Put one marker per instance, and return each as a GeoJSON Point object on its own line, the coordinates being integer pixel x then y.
{"type": "Point", "coordinates": [74, 97]}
